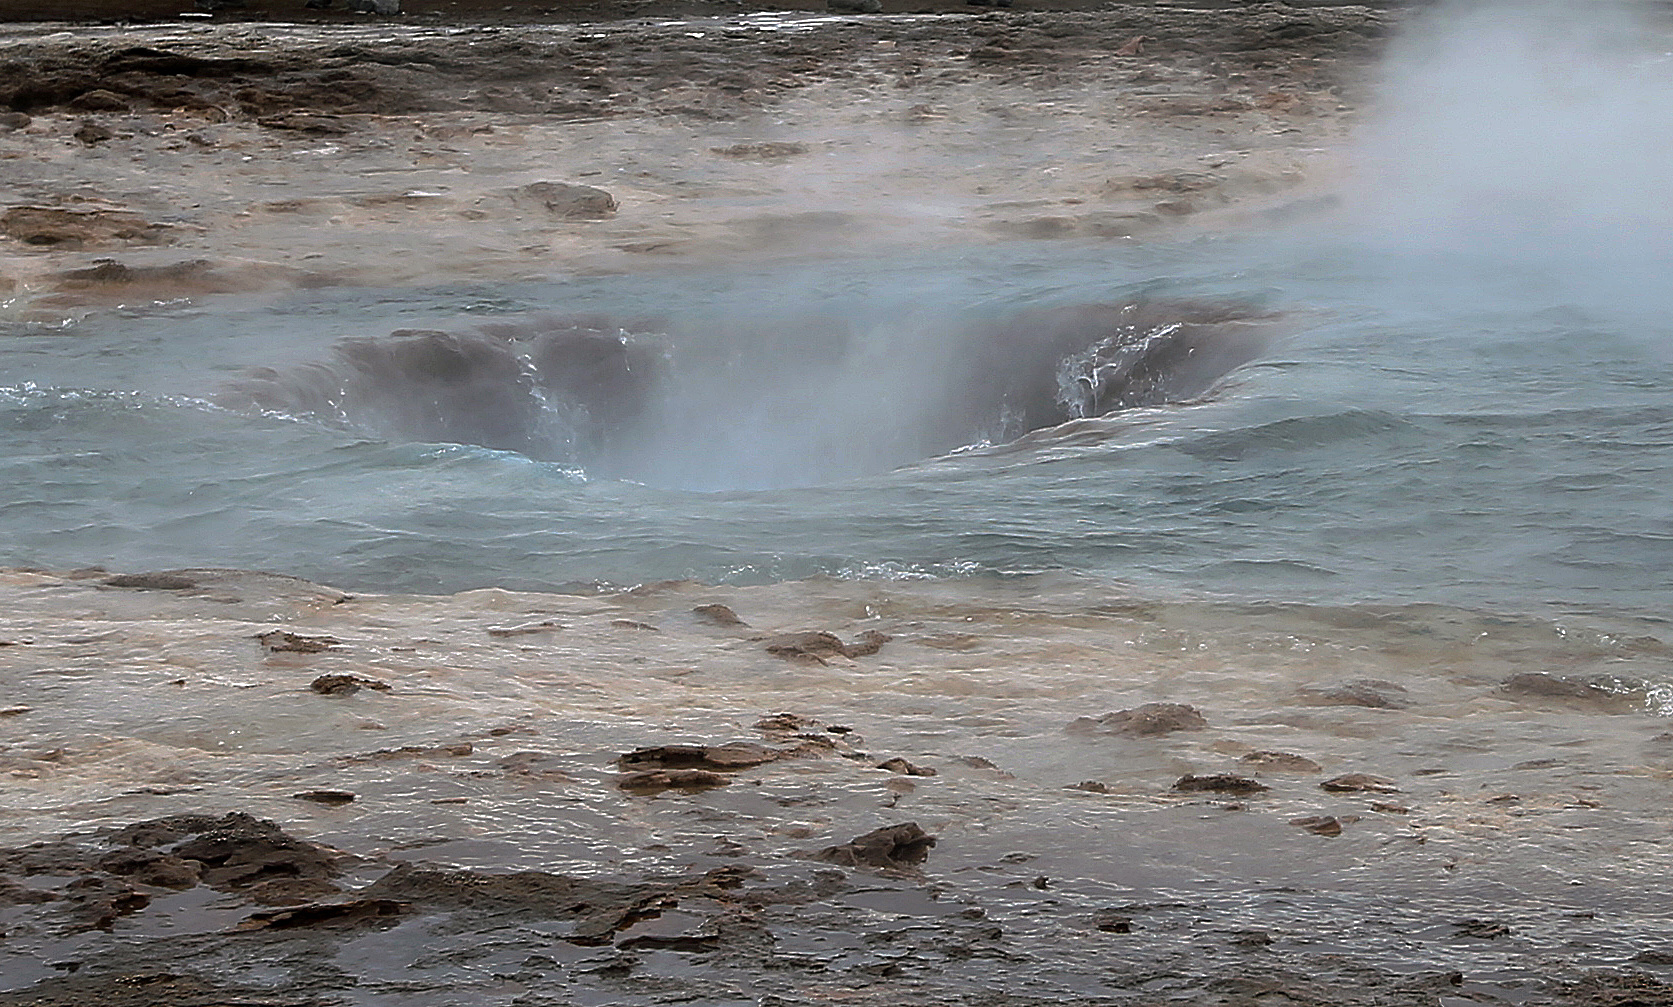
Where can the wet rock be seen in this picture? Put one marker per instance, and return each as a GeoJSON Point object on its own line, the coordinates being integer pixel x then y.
{"type": "Point", "coordinates": [148, 867]}
{"type": "Point", "coordinates": [1390, 809]}
{"type": "Point", "coordinates": [634, 624]}
{"type": "Point", "coordinates": [1225, 783]}
{"type": "Point", "coordinates": [1359, 782]}
{"type": "Point", "coordinates": [302, 122]}
{"type": "Point", "coordinates": [730, 757]}
{"type": "Point", "coordinates": [1542, 686]}
{"type": "Point", "coordinates": [10, 121]}
{"type": "Point", "coordinates": [818, 647]}
{"type": "Point", "coordinates": [899, 765]}
{"type": "Point", "coordinates": [1143, 721]}
{"type": "Point", "coordinates": [77, 228]}
{"type": "Point", "coordinates": [1112, 922]}
{"type": "Point", "coordinates": [785, 723]}
{"type": "Point", "coordinates": [1372, 693]}
{"type": "Point", "coordinates": [291, 891]}
{"type": "Point", "coordinates": [354, 912]}
{"type": "Point", "coordinates": [165, 581]}
{"type": "Point", "coordinates": [14, 894]}
{"type": "Point", "coordinates": [1616, 989]}
{"type": "Point", "coordinates": [854, 6]}
{"type": "Point", "coordinates": [99, 100]}
{"type": "Point", "coordinates": [454, 751]}
{"type": "Point", "coordinates": [561, 199]}
{"type": "Point", "coordinates": [328, 797]}
{"type": "Point", "coordinates": [15, 711]}
{"type": "Point", "coordinates": [346, 685]}
{"type": "Point", "coordinates": [718, 615]}
{"type": "Point", "coordinates": [868, 643]}
{"type": "Point", "coordinates": [1320, 825]}
{"type": "Point", "coordinates": [1481, 929]}
{"type": "Point", "coordinates": [386, 8]}
{"type": "Point", "coordinates": [96, 902]}
{"type": "Point", "coordinates": [239, 851]}
{"type": "Point", "coordinates": [1090, 786]}
{"type": "Point", "coordinates": [534, 766]}
{"type": "Point", "coordinates": [1280, 762]}
{"type": "Point", "coordinates": [653, 780]}
{"type": "Point", "coordinates": [893, 847]}
{"type": "Point", "coordinates": [91, 133]}
{"type": "Point", "coordinates": [765, 151]}
{"type": "Point", "coordinates": [281, 641]}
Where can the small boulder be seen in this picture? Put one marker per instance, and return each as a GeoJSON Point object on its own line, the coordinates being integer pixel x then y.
{"type": "Point", "coordinates": [1359, 783]}
{"type": "Point", "coordinates": [1372, 693]}
{"type": "Point", "coordinates": [1280, 762]}
{"type": "Point", "coordinates": [91, 133]}
{"type": "Point", "coordinates": [1143, 721]}
{"type": "Point", "coordinates": [281, 641]}
{"type": "Point", "coordinates": [718, 615]}
{"type": "Point", "coordinates": [725, 758]}
{"type": "Point", "coordinates": [899, 765]}
{"type": "Point", "coordinates": [1224, 783]}
{"type": "Point", "coordinates": [893, 847]}
{"type": "Point", "coordinates": [654, 780]}
{"type": "Point", "coordinates": [576, 202]}
{"type": "Point", "coordinates": [346, 685]}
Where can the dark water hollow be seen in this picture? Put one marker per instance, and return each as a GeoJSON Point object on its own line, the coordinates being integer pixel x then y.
{"type": "Point", "coordinates": [728, 402]}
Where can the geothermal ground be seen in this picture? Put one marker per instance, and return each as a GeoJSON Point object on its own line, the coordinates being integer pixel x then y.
{"type": "Point", "coordinates": [230, 788]}
{"type": "Point", "coordinates": [159, 160]}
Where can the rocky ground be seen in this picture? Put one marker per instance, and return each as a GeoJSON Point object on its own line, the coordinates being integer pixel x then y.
{"type": "Point", "coordinates": [165, 159]}
{"type": "Point", "coordinates": [248, 789]}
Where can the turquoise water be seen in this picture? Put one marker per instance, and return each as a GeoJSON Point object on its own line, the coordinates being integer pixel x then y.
{"type": "Point", "coordinates": [1442, 426]}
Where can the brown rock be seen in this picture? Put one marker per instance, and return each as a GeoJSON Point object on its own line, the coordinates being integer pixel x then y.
{"type": "Point", "coordinates": [1373, 693]}
{"type": "Point", "coordinates": [653, 780]}
{"type": "Point", "coordinates": [899, 765]}
{"type": "Point", "coordinates": [893, 847]}
{"type": "Point", "coordinates": [67, 228]}
{"type": "Point", "coordinates": [1280, 762]}
{"type": "Point", "coordinates": [1359, 782]}
{"type": "Point", "coordinates": [718, 614]}
{"type": "Point", "coordinates": [346, 685]}
{"type": "Point", "coordinates": [14, 120]}
{"type": "Point", "coordinates": [561, 199]}
{"type": "Point", "coordinates": [151, 581]}
{"type": "Point", "coordinates": [91, 133]}
{"type": "Point", "coordinates": [764, 151]}
{"type": "Point", "coordinates": [1225, 783]}
{"type": "Point", "coordinates": [279, 640]}
{"type": "Point", "coordinates": [1322, 825]}
{"type": "Point", "coordinates": [323, 914]}
{"type": "Point", "coordinates": [148, 867]}
{"type": "Point", "coordinates": [332, 797]}
{"type": "Point", "coordinates": [99, 100]}
{"type": "Point", "coordinates": [1143, 721]}
{"type": "Point", "coordinates": [726, 758]}
{"type": "Point", "coordinates": [302, 122]}
{"type": "Point", "coordinates": [1543, 686]}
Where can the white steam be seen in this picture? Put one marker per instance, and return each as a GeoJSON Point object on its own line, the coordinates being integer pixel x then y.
{"type": "Point", "coordinates": [1528, 132]}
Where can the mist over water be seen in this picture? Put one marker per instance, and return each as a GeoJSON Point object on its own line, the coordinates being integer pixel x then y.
{"type": "Point", "coordinates": [1458, 392]}
{"type": "Point", "coordinates": [1531, 143]}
